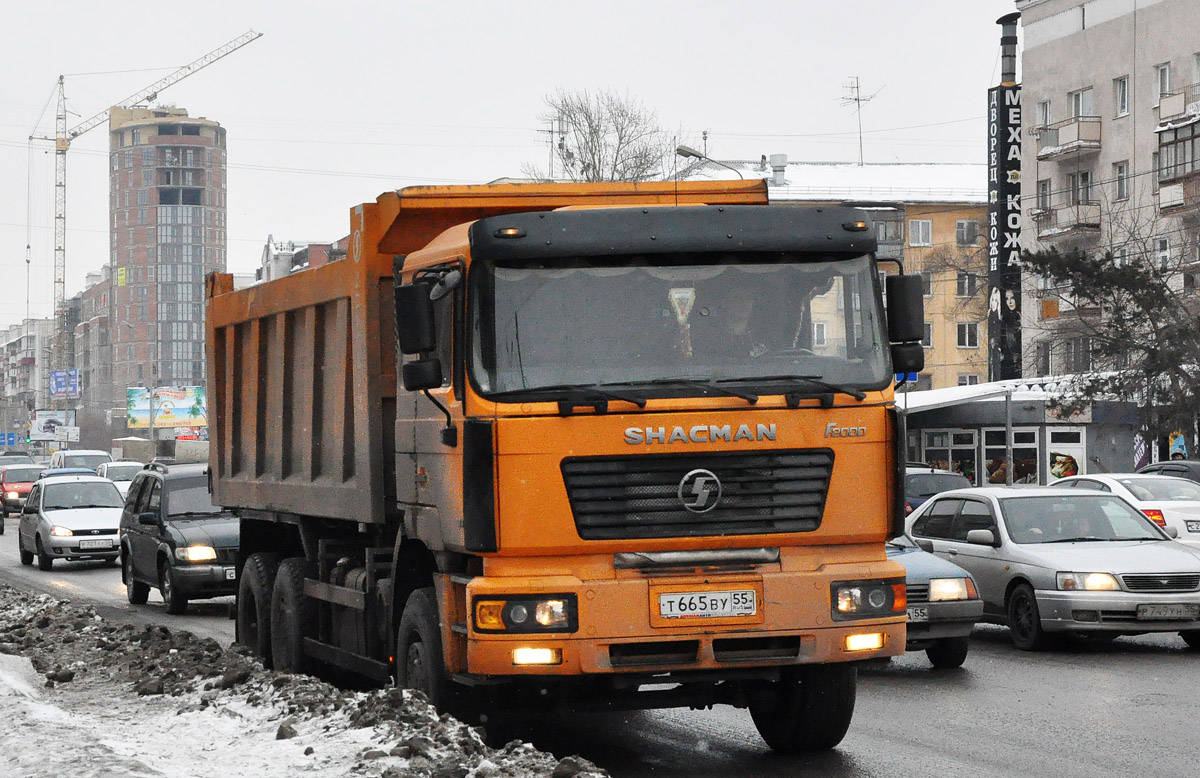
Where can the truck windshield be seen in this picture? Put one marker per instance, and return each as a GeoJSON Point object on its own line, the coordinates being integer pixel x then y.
{"type": "Point", "coordinates": [593, 322]}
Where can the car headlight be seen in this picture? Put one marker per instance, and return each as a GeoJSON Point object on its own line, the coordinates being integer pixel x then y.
{"type": "Point", "coordinates": [195, 554]}
{"type": "Point", "coordinates": [1088, 582]}
{"type": "Point", "coordinates": [522, 613]}
{"type": "Point", "coordinates": [945, 589]}
{"type": "Point", "coordinates": [61, 532]}
{"type": "Point", "coordinates": [12, 495]}
{"type": "Point", "coordinates": [867, 599]}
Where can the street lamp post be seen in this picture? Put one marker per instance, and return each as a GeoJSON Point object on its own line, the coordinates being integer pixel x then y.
{"type": "Point", "coordinates": [688, 151]}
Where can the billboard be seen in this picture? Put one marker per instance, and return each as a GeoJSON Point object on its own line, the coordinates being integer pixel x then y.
{"type": "Point", "coordinates": [1004, 232]}
{"type": "Point", "coordinates": [174, 406]}
{"type": "Point", "coordinates": [64, 383]}
{"type": "Point", "coordinates": [45, 422]}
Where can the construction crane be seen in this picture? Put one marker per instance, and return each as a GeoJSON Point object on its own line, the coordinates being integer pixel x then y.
{"type": "Point", "coordinates": [62, 142]}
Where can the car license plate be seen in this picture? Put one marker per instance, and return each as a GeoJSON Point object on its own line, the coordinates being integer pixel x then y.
{"type": "Point", "coordinates": [707, 605]}
{"type": "Point", "coordinates": [1174, 612]}
{"type": "Point", "coordinates": [1193, 526]}
{"type": "Point", "coordinates": [105, 543]}
{"type": "Point", "coordinates": [230, 573]}
{"type": "Point", "coordinates": [918, 614]}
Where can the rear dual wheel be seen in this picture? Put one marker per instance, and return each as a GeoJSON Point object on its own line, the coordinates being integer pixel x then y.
{"type": "Point", "coordinates": [293, 616]}
{"type": "Point", "coordinates": [254, 604]}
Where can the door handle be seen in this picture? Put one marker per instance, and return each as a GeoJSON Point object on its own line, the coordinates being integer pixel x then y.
{"type": "Point", "coordinates": [952, 551]}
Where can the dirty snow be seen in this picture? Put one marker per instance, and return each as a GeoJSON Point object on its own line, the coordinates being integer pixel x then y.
{"type": "Point", "coordinates": [85, 698]}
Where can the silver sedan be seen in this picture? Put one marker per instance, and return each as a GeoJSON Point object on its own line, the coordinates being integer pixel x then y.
{"type": "Point", "coordinates": [1049, 560]}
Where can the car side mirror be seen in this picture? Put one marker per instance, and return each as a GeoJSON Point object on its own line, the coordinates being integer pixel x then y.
{"type": "Point", "coordinates": [29, 509]}
{"type": "Point", "coordinates": [148, 519]}
{"type": "Point", "coordinates": [924, 545]}
{"type": "Point", "coordinates": [1172, 532]}
{"type": "Point", "coordinates": [981, 537]}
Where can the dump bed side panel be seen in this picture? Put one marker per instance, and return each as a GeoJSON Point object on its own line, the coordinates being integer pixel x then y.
{"type": "Point", "coordinates": [302, 375]}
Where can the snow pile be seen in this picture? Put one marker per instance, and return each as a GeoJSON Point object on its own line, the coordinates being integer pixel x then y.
{"type": "Point", "coordinates": [83, 697]}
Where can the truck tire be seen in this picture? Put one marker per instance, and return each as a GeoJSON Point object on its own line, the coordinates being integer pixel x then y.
{"type": "Point", "coordinates": [419, 661]}
{"type": "Point", "coordinates": [254, 604]}
{"type": "Point", "coordinates": [808, 710]}
{"type": "Point", "coordinates": [135, 591]}
{"type": "Point", "coordinates": [293, 616]}
{"type": "Point", "coordinates": [948, 653]}
{"type": "Point", "coordinates": [175, 600]}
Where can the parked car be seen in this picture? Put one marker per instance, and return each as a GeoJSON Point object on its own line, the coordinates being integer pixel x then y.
{"type": "Point", "coordinates": [1048, 560]}
{"type": "Point", "coordinates": [15, 482]}
{"type": "Point", "coordinates": [1170, 502]}
{"type": "Point", "coordinates": [922, 482]}
{"type": "Point", "coordinates": [943, 604]}
{"type": "Point", "coordinates": [80, 457]}
{"type": "Point", "coordinates": [173, 538]}
{"type": "Point", "coordinates": [120, 472]}
{"type": "Point", "coordinates": [70, 517]}
{"type": "Point", "coordinates": [1180, 468]}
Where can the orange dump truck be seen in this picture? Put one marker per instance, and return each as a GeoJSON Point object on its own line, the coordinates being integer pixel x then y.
{"type": "Point", "coordinates": [590, 446]}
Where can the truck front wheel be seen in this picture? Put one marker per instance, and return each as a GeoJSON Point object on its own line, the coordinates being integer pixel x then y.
{"type": "Point", "coordinates": [254, 604]}
{"type": "Point", "coordinates": [809, 709]}
{"type": "Point", "coordinates": [419, 663]}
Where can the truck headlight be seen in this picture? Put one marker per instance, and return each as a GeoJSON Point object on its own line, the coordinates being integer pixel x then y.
{"type": "Point", "coordinates": [61, 532]}
{"type": "Point", "coordinates": [867, 599]}
{"type": "Point", "coordinates": [1088, 582]}
{"type": "Point", "coordinates": [945, 589]}
{"type": "Point", "coordinates": [524, 613]}
{"type": "Point", "coordinates": [195, 554]}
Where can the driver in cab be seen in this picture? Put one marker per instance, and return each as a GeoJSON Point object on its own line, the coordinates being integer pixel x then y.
{"type": "Point", "coordinates": [733, 334]}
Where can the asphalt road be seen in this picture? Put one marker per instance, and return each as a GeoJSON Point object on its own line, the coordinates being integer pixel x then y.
{"type": "Point", "coordinates": [93, 583]}
{"type": "Point", "coordinates": [1084, 709]}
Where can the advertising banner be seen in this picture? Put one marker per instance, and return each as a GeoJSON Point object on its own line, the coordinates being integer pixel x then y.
{"type": "Point", "coordinates": [1004, 230]}
{"type": "Point", "coordinates": [64, 383]}
{"type": "Point", "coordinates": [174, 406]}
{"type": "Point", "coordinates": [45, 422]}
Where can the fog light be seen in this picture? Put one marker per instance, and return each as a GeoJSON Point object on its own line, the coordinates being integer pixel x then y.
{"type": "Point", "coordinates": [1085, 615]}
{"type": "Point", "coordinates": [488, 614]}
{"type": "Point", "coordinates": [864, 642]}
{"type": "Point", "coordinates": [537, 656]}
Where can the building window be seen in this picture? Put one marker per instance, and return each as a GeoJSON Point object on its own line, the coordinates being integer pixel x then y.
{"type": "Point", "coordinates": [819, 334]}
{"type": "Point", "coordinates": [1162, 252]}
{"type": "Point", "coordinates": [927, 283]}
{"type": "Point", "coordinates": [967, 284]}
{"type": "Point", "coordinates": [1120, 256]}
{"type": "Point", "coordinates": [889, 231]}
{"type": "Point", "coordinates": [927, 337]}
{"type": "Point", "coordinates": [1121, 96]}
{"type": "Point", "coordinates": [968, 334]}
{"type": "Point", "coordinates": [920, 232]}
{"type": "Point", "coordinates": [968, 379]}
{"type": "Point", "coordinates": [1081, 103]}
{"type": "Point", "coordinates": [1178, 152]}
{"type": "Point", "coordinates": [1043, 113]}
{"type": "Point", "coordinates": [1163, 75]}
{"type": "Point", "coordinates": [1079, 355]}
{"type": "Point", "coordinates": [1042, 358]}
{"type": "Point", "coordinates": [1156, 167]}
{"type": "Point", "coordinates": [1121, 178]}
{"type": "Point", "coordinates": [143, 197]}
{"type": "Point", "coordinates": [966, 232]}
{"type": "Point", "coordinates": [1081, 187]}
{"type": "Point", "coordinates": [1043, 194]}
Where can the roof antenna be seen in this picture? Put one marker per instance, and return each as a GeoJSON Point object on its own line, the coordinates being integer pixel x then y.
{"type": "Point", "coordinates": [856, 97]}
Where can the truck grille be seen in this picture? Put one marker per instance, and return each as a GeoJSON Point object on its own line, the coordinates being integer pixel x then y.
{"type": "Point", "coordinates": [762, 492]}
{"type": "Point", "coordinates": [1171, 582]}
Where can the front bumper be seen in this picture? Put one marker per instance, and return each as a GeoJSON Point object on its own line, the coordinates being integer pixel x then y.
{"type": "Point", "coordinates": [14, 506]}
{"type": "Point", "coordinates": [953, 619]}
{"type": "Point", "coordinates": [1109, 611]}
{"type": "Point", "coordinates": [199, 581]}
{"type": "Point", "coordinates": [620, 631]}
{"type": "Point", "coordinates": [72, 547]}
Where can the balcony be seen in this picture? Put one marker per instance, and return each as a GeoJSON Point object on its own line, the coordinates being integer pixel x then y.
{"type": "Point", "coordinates": [1175, 105]}
{"type": "Point", "coordinates": [1061, 221]}
{"type": "Point", "coordinates": [1181, 198]}
{"type": "Point", "coordinates": [1076, 135]}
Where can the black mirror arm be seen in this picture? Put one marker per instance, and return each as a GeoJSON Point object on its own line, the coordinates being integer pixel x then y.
{"type": "Point", "coordinates": [449, 432]}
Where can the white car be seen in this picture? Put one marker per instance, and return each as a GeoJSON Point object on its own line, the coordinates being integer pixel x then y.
{"type": "Point", "coordinates": [70, 517]}
{"type": "Point", "coordinates": [1171, 503]}
{"type": "Point", "coordinates": [120, 473]}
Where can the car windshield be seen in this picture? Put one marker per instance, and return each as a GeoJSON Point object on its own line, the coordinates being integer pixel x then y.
{"type": "Point", "coordinates": [191, 497]}
{"type": "Point", "coordinates": [1161, 488]}
{"type": "Point", "coordinates": [1075, 517]}
{"type": "Point", "coordinates": [675, 322]}
{"type": "Point", "coordinates": [15, 460]}
{"type": "Point", "coordinates": [90, 461]}
{"type": "Point", "coordinates": [21, 474]}
{"type": "Point", "coordinates": [929, 484]}
{"type": "Point", "coordinates": [81, 494]}
{"type": "Point", "coordinates": [122, 472]}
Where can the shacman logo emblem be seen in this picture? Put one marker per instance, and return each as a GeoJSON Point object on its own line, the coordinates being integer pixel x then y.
{"type": "Point", "coordinates": [700, 491]}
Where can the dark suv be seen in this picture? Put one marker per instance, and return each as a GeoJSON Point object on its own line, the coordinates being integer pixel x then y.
{"type": "Point", "coordinates": [922, 482]}
{"type": "Point", "coordinates": [173, 538]}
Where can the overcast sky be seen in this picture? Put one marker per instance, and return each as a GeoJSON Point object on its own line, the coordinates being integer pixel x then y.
{"type": "Point", "coordinates": [338, 102]}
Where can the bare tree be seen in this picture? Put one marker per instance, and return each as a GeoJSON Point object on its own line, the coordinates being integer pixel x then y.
{"type": "Point", "coordinates": [604, 136]}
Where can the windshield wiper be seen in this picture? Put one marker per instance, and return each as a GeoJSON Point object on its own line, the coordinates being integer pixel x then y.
{"type": "Point", "coordinates": [698, 383]}
{"type": "Point", "coordinates": [1140, 539]}
{"type": "Point", "coordinates": [1074, 540]}
{"type": "Point", "coordinates": [592, 389]}
{"type": "Point", "coordinates": [815, 380]}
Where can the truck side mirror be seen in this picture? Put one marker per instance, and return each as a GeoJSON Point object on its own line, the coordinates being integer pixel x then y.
{"type": "Point", "coordinates": [422, 374]}
{"type": "Point", "coordinates": [415, 330]}
{"type": "Point", "coordinates": [908, 357]}
{"type": "Point", "coordinates": [906, 308]}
